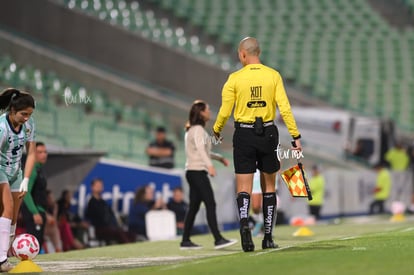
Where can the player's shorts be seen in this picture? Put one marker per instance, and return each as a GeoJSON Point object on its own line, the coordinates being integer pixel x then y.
{"type": "Point", "coordinates": [252, 151]}
{"type": "Point", "coordinates": [13, 181]}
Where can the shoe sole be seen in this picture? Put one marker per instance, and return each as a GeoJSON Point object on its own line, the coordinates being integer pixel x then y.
{"type": "Point", "coordinates": [273, 245]}
{"type": "Point", "coordinates": [231, 242]}
{"type": "Point", "coordinates": [247, 246]}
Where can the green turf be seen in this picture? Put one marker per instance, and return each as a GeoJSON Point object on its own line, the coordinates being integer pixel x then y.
{"type": "Point", "coordinates": [374, 247]}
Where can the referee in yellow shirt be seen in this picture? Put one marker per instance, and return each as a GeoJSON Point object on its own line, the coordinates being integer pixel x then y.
{"type": "Point", "coordinates": [254, 92]}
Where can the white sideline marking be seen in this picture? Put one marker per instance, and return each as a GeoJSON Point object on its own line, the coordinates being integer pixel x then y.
{"type": "Point", "coordinates": [273, 250]}
{"type": "Point", "coordinates": [407, 229]}
{"type": "Point", "coordinates": [359, 248]}
{"type": "Point", "coordinates": [348, 238]}
{"type": "Point", "coordinates": [95, 265]}
{"type": "Point", "coordinates": [106, 263]}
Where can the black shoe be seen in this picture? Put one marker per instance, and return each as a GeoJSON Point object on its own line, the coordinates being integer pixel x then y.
{"type": "Point", "coordinates": [269, 244]}
{"type": "Point", "coordinates": [222, 243]}
{"type": "Point", "coordinates": [246, 239]}
{"type": "Point", "coordinates": [189, 245]}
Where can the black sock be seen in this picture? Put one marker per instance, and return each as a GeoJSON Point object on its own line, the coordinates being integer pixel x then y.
{"type": "Point", "coordinates": [269, 213]}
{"type": "Point", "coordinates": [243, 203]}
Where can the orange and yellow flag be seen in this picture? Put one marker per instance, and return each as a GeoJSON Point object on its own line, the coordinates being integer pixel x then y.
{"type": "Point", "coordinates": [294, 181]}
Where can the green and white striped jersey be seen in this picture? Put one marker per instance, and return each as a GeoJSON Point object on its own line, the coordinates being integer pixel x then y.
{"type": "Point", "coordinates": [12, 144]}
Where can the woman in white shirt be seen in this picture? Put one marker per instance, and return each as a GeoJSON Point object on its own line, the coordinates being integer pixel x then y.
{"type": "Point", "coordinates": [198, 166]}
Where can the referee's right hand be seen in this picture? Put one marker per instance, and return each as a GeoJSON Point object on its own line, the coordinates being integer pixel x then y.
{"type": "Point", "coordinates": [218, 137]}
{"type": "Point", "coordinates": [296, 145]}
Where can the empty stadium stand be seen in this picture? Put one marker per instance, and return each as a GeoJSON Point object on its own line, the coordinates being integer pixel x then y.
{"type": "Point", "coordinates": [342, 51]}
{"type": "Point", "coordinates": [73, 116]}
{"type": "Point", "coordinates": [132, 16]}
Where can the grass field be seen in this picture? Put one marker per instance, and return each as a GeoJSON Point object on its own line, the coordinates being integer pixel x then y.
{"type": "Point", "coordinates": [354, 246]}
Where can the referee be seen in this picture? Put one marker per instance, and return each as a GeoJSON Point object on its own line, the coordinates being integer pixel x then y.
{"type": "Point", "coordinates": [254, 91]}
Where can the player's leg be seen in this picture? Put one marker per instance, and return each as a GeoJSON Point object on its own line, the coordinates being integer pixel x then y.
{"type": "Point", "coordinates": [52, 233]}
{"type": "Point", "coordinates": [207, 196]}
{"type": "Point", "coordinates": [315, 211]}
{"type": "Point", "coordinates": [5, 223]}
{"type": "Point", "coordinates": [256, 204]}
{"type": "Point", "coordinates": [256, 197]}
{"type": "Point", "coordinates": [269, 165]}
{"type": "Point", "coordinates": [381, 209]}
{"type": "Point", "coordinates": [17, 202]}
{"type": "Point", "coordinates": [244, 154]}
{"type": "Point", "coordinates": [269, 209]}
{"type": "Point", "coordinates": [193, 207]}
{"type": "Point", "coordinates": [244, 187]}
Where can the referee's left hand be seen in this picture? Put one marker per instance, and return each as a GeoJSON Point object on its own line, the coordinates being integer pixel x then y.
{"type": "Point", "coordinates": [298, 145]}
{"type": "Point", "coordinates": [217, 138]}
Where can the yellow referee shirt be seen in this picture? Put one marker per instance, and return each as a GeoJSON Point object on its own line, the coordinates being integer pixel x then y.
{"type": "Point", "coordinates": [254, 91]}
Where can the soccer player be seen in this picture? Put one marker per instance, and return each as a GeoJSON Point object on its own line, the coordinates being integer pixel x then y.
{"type": "Point", "coordinates": [16, 131]}
{"type": "Point", "coordinates": [254, 91]}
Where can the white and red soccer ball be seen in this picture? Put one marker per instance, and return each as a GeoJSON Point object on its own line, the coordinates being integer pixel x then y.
{"type": "Point", "coordinates": [25, 247]}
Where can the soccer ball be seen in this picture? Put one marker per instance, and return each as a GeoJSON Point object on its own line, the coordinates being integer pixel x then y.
{"type": "Point", "coordinates": [397, 207]}
{"type": "Point", "coordinates": [25, 247]}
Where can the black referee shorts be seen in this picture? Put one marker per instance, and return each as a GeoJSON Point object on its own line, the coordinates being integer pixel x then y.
{"type": "Point", "coordinates": [251, 151]}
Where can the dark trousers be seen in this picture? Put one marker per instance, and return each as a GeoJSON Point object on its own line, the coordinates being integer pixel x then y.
{"type": "Point", "coordinates": [315, 211]}
{"type": "Point", "coordinates": [31, 227]}
{"type": "Point", "coordinates": [376, 207]}
{"type": "Point", "coordinates": [200, 191]}
{"type": "Point", "coordinates": [113, 234]}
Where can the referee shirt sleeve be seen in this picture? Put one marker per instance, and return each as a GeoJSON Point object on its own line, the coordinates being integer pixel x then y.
{"type": "Point", "coordinates": [283, 104]}
{"type": "Point", "coordinates": [227, 103]}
